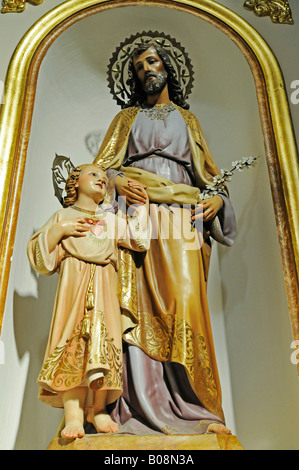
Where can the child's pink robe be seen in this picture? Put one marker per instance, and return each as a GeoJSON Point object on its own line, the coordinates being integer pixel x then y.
{"type": "Point", "coordinates": [70, 360]}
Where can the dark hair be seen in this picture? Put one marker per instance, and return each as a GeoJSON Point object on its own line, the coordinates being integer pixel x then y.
{"type": "Point", "coordinates": [138, 96]}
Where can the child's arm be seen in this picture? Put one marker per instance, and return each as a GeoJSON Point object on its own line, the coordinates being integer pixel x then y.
{"type": "Point", "coordinates": [138, 228]}
{"type": "Point", "coordinates": [44, 250]}
{"type": "Point", "coordinates": [66, 228]}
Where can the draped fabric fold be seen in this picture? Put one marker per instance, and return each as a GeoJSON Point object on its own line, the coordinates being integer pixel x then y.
{"type": "Point", "coordinates": [85, 341]}
{"type": "Point", "coordinates": [113, 149]}
{"type": "Point", "coordinates": [173, 317]}
{"type": "Point", "coordinates": [157, 398]}
{"type": "Point", "coordinates": [172, 324]}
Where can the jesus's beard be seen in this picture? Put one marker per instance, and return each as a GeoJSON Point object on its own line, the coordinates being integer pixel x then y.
{"type": "Point", "coordinates": [152, 87]}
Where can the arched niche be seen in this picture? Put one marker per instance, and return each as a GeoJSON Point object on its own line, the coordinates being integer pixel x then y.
{"type": "Point", "coordinates": [280, 146]}
{"type": "Point", "coordinates": [19, 124]}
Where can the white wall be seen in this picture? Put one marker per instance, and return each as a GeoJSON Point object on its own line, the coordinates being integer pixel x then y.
{"type": "Point", "coordinates": [264, 381]}
{"type": "Point", "coordinates": [283, 39]}
{"type": "Point", "coordinates": [246, 288]}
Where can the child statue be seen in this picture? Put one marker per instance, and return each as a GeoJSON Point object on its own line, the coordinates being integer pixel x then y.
{"type": "Point", "coordinates": [82, 369]}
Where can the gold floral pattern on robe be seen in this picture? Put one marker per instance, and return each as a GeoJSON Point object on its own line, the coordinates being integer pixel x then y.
{"type": "Point", "coordinates": [66, 366]}
{"type": "Point", "coordinates": [167, 342]}
{"type": "Point", "coordinates": [87, 268]}
{"type": "Point", "coordinates": [169, 328]}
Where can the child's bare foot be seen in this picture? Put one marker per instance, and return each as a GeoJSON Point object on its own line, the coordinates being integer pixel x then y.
{"type": "Point", "coordinates": [102, 421]}
{"type": "Point", "coordinates": [218, 428]}
{"type": "Point", "coordinates": [73, 429]}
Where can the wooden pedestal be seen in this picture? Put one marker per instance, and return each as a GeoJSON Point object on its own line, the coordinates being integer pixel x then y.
{"type": "Point", "coordinates": [164, 442]}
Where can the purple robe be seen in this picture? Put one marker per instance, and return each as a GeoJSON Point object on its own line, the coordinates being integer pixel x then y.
{"type": "Point", "coordinates": [157, 396]}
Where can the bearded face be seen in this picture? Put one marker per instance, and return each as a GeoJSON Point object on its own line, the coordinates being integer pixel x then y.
{"type": "Point", "coordinates": [154, 83]}
{"type": "Point", "coordinates": [150, 71]}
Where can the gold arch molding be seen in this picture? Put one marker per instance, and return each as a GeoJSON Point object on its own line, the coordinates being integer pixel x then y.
{"type": "Point", "coordinates": [280, 145]}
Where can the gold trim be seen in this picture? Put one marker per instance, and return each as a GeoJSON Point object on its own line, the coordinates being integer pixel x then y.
{"type": "Point", "coordinates": [17, 6]}
{"type": "Point", "coordinates": [281, 151]}
{"type": "Point", "coordinates": [278, 10]}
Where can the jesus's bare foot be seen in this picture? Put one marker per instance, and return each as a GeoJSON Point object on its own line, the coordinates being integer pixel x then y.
{"type": "Point", "coordinates": [102, 421]}
{"type": "Point", "coordinates": [73, 429]}
{"type": "Point", "coordinates": [217, 428]}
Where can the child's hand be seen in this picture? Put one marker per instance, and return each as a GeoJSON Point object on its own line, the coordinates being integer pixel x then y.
{"type": "Point", "coordinates": [75, 227]}
{"type": "Point", "coordinates": [67, 228]}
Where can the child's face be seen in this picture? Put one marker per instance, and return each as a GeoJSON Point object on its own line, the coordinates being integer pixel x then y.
{"type": "Point", "coordinates": [93, 182]}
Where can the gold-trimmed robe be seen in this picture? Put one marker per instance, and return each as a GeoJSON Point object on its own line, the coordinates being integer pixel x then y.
{"type": "Point", "coordinates": [173, 323]}
{"type": "Point", "coordinates": [85, 265]}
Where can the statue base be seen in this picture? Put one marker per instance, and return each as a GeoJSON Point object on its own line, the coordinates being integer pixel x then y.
{"type": "Point", "coordinates": [136, 443]}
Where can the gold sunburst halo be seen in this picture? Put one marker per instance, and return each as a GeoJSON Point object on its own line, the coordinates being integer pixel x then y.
{"type": "Point", "coordinates": [118, 67]}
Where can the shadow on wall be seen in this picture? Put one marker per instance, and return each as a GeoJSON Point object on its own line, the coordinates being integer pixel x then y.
{"type": "Point", "coordinates": [247, 219]}
{"type": "Point", "coordinates": [240, 274]}
{"type": "Point", "coordinates": [32, 319]}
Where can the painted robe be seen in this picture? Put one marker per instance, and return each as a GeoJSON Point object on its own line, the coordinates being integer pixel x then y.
{"type": "Point", "coordinates": [171, 377]}
{"type": "Point", "coordinates": [85, 341]}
